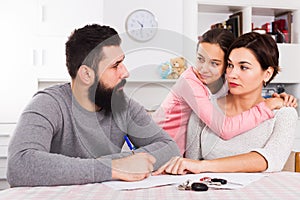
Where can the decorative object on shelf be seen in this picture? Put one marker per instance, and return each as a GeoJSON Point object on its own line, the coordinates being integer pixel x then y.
{"type": "Point", "coordinates": [141, 25]}
{"type": "Point", "coordinates": [165, 69]}
{"type": "Point", "coordinates": [233, 24]}
{"type": "Point", "coordinates": [282, 27]}
{"type": "Point", "coordinates": [172, 69]}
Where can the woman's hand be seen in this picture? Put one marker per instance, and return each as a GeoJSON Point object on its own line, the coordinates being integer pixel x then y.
{"type": "Point", "coordinates": [288, 100]}
{"type": "Point", "coordinates": [178, 165]}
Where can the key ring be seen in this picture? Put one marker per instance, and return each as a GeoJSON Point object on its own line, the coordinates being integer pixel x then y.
{"type": "Point", "coordinates": [196, 186]}
{"type": "Point", "coordinates": [213, 181]}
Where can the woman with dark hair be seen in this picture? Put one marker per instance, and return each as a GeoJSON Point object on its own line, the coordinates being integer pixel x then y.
{"type": "Point", "coordinates": [252, 63]}
{"type": "Point", "coordinates": [198, 85]}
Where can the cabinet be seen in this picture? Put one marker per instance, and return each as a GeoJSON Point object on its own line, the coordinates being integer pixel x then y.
{"type": "Point", "coordinates": [17, 78]}
{"type": "Point", "coordinates": [5, 135]}
{"type": "Point", "coordinates": [54, 21]}
{"type": "Point", "coordinates": [255, 15]}
{"type": "Point", "coordinates": [296, 146]}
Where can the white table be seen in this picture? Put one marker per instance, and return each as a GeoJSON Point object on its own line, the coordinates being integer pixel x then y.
{"type": "Point", "coordinates": [282, 185]}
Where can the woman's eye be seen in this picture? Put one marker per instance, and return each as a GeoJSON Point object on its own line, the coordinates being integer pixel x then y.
{"type": "Point", "coordinates": [229, 65]}
{"type": "Point", "coordinates": [244, 68]}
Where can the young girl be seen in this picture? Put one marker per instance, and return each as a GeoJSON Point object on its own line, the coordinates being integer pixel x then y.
{"type": "Point", "coordinates": [198, 85]}
{"type": "Point", "coordinates": [252, 63]}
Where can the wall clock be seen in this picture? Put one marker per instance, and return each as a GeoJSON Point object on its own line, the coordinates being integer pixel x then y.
{"type": "Point", "coordinates": [141, 25]}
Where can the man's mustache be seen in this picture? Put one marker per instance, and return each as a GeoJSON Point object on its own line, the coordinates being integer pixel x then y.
{"type": "Point", "coordinates": [120, 85]}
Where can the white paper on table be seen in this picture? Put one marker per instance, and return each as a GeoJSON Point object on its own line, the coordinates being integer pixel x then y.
{"type": "Point", "coordinates": [234, 180]}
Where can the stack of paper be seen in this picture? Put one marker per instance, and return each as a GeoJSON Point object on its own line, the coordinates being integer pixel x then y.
{"type": "Point", "coordinates": [234, 180]}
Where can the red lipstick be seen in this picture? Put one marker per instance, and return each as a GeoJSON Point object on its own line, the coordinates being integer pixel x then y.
{"type": "Point", "coordinates": [231, 84]}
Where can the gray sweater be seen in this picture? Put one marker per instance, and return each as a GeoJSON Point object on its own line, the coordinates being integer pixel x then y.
{"type": "Point", "coordinates": [57, 142]}
{"type": "Point", "coordinates": [273, 139]}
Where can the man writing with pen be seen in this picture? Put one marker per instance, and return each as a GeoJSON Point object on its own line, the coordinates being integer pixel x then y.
{"type": "Point", "coordinates": [74, 133]}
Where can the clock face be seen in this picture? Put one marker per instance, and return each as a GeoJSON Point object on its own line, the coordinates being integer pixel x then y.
{"type": "Point", "coordinates": [141, 25]}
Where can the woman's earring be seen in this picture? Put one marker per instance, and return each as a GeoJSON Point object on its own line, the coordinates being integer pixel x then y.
{"type": "Point", "coordinates": [264, 83]}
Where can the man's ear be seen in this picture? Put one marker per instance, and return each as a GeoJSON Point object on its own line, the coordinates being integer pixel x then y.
{"type": "Point", "coordinates": [268, 73]}
{"type": "Point", "coordinates": [86, 74]}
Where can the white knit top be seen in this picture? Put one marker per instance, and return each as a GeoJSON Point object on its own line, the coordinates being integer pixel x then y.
{"type": "Point", "coordinates": [273, 139]}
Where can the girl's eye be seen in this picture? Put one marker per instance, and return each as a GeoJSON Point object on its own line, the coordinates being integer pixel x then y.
{"type": "Point", "coordinates": [230, 65]}
{"type": "Point", "coordinates": [214, 64]}
{"type": "Point", "coordinates": [201, 59]}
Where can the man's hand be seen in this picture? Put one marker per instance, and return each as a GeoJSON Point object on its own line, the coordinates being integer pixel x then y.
{"type": "Point", "coordinates": [133, 168]}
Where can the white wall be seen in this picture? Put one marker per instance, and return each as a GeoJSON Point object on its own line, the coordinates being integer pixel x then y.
{"type": "Point", "coordinates": [169, 14]}
{"type": "Point", "coordinates": [143, 59]}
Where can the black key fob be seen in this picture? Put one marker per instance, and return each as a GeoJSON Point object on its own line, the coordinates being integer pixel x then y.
{"type": "Point", "coordinates": [220, 180]}
{"type": "Point", "coordinates": [199, 186]}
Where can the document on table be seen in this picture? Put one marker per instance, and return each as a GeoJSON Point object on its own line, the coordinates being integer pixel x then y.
{"type": "Point", "coordinates": [234, 180]}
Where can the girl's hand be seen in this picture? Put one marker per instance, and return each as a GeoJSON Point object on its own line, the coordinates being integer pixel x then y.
{"type": "Point", "coordinates": [274, 103]}
{"type": "Point", "coordinates": [288, 99]}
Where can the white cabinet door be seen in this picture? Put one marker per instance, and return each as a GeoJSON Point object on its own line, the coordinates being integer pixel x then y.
{"type": "Point", "coordinates": [290, 70]}
{"type": "Point", "coordinates": [17, 78]}
{"type": "Point", "coordinates": [49, 59]}
{"type": "Point", "coordinates": [61, 17]}
{"type": "Point", "coordinates": [296, 146]}
{"type": "Point", "coordinates": [54, 22]}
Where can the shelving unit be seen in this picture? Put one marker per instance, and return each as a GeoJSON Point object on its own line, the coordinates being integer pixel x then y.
{"type": "Point", "coordinates": [204, 13]}
{"type": "Point", "coordinates": [255, 14]}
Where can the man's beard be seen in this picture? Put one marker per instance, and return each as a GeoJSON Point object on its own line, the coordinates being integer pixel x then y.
{"type": "Point", "coordinates": [108, 99]}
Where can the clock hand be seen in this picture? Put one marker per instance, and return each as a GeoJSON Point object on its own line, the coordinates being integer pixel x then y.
{"type": "Point", "coordinates": [140, 23]}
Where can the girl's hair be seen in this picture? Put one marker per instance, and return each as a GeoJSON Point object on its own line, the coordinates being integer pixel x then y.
{"type": "Point", "coordinates": [222, 37]}
{"type": "Point", "coordinates": [263, 47]}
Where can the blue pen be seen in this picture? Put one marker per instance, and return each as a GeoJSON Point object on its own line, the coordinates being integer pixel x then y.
{"type": "Point", "coordinates": [129, 144]}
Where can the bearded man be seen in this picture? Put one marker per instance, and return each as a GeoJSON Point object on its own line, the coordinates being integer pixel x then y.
{"type": "Point", "coordinates": [74, 133]}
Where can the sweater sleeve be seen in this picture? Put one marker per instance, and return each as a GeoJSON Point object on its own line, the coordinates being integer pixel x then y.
{"type": "Point", "coordinates": [278, 148]}
{"type": "Point", "coordinates": [30, 162]}
{"type": "Point", "coordinates": [195, 94]}
{"type": "Point", "coordinates": [147, 136]}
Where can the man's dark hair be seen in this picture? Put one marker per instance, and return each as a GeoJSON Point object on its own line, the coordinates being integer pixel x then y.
{"type": "Point", "coordinates": [84, 46]}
